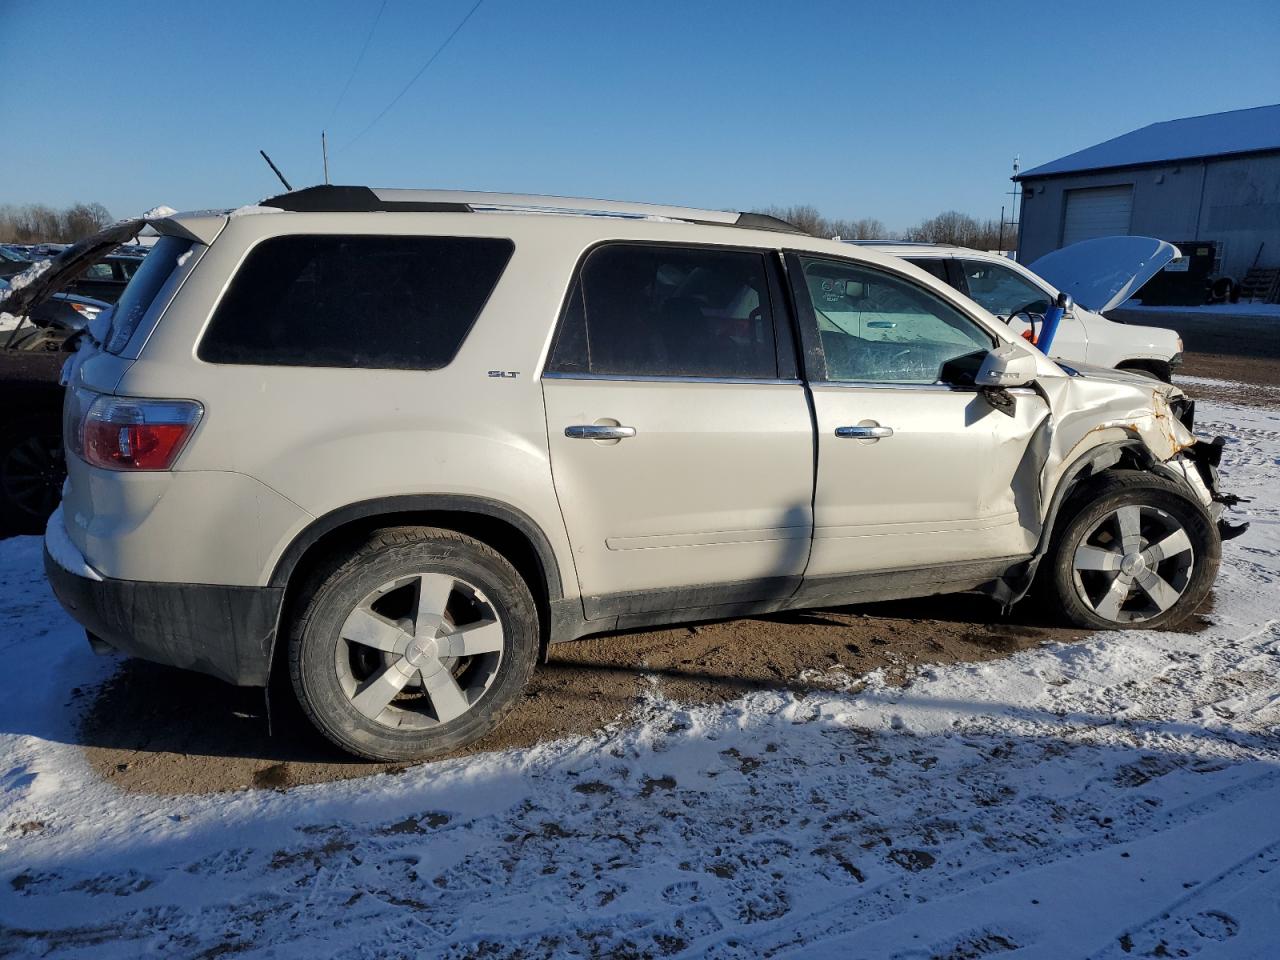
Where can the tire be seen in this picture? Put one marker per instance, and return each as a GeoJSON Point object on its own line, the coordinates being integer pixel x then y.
{"type": "Point", "coordinates": [437, 624]}
{"type": "Point", "coordinates": [32, 469]}
{"type": "Point", "coordinates": [1101, 582]}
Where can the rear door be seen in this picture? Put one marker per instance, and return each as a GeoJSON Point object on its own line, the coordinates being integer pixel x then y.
{"type": "Point", "coordinates": [914, 471]}
{"type": "Point", "coordinates": [680, 436]}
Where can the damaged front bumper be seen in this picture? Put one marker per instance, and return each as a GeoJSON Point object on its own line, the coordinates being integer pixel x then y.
{"type": "Point", "coordinates": [1205, 455]}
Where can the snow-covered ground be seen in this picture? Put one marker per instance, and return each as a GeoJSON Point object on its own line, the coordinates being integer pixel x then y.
{"type": "Point", "coordinates": [1114, 798]}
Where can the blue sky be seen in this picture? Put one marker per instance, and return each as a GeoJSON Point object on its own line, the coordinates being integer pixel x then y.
{"type": "Point", "coordinates": [890, 110]}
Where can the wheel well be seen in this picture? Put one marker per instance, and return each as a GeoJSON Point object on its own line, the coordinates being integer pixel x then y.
{"type": "Point", "coordinates": [1159, 369]}
{"type": "Point", "coordinates": [500, 534]}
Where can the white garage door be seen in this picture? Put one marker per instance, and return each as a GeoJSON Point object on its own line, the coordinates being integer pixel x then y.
{"type": "Point", "coordinates": [1097, 212]}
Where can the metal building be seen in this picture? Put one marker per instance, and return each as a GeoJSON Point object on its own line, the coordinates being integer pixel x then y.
{"type": "Point", "coordinates": [1213, 178]}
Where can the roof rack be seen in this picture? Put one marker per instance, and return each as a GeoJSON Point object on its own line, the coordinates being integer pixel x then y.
{"type": "Point", "coordinates": [894, 243]}
{"type": "Point", "coordinates": [340, 199]}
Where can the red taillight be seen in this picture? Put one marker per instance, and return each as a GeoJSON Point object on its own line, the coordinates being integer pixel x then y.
{"type": "Point", "coordinates": [126, 433]}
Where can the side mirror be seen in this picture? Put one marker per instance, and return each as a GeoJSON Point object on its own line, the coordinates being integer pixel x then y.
{"type": "Point", "coordinates": [1009, 366]}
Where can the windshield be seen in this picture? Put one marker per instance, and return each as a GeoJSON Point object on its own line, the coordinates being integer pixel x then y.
{"type": "Point", "coordinates": [142, 289]}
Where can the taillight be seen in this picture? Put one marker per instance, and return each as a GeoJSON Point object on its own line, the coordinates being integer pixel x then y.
{"type": "Point", "coordinates": [127, 433]}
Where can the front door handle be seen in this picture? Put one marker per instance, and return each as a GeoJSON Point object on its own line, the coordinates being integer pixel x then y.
{"type": "Point", "coordinates": [862, 432]}
{"type": "Point", "coordinates": [596, 431]}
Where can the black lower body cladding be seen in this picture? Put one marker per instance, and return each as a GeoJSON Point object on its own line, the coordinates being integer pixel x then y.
{"type": "Point", "coordinates": [224, 631]}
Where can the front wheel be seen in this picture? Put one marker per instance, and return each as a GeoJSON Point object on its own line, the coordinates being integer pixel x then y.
{"type": "Point", "coordinates": [417, 644]}
{"type": "Point", "coordinates": [1132, 551]}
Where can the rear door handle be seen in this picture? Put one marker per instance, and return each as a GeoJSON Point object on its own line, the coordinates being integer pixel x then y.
{"type": "Point", "coordinates": [595, 431]}
{"type": "Point", "coordinates": [864, 433]}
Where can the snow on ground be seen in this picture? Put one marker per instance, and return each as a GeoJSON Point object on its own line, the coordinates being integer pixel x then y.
{"type": "Point", "coordinates": [1112, 798]}
{"type": "Point", "coordinates": [1211, 309]}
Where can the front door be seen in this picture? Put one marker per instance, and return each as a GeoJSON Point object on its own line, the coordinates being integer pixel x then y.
{"type": "Point", "coordinates": [682, 453]}
{"type": "Point", "coordinates": [913, 471]}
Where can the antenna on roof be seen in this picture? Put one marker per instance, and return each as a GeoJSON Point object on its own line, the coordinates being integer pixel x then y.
{"type": "Point", "coordinates": [324, 152]}
{"type": "Point", "coordinates": [276, 171]}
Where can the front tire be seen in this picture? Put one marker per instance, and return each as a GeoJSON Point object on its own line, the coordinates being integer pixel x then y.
{"type": "Point", "coordinates": [419, 643]}
{"type": "Point", "coordinates": [1132, 551]}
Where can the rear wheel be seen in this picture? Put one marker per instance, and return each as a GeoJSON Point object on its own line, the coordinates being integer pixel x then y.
{"type": "Point", "coordinates": [1132, 551]}
{"type": "Point", "coordinates": [420, 643]}
{"type": "Point", "coordinates": [32, 469]}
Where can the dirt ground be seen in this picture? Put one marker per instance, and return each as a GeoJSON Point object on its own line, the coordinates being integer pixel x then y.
{"type": "Point", "coordinates": [156, 730]}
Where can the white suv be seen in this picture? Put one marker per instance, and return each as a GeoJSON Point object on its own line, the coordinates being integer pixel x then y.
{"type": "Point", "coordinates": [395, 442]}
{"type": "Point", "coordinates": [1099, 274]}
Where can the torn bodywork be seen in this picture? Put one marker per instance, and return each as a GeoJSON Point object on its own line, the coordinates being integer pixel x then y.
{"type": "Point", "coordinates": [1107, 419]}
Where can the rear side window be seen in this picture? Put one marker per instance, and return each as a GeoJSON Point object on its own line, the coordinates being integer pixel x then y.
{"type": "Point", "coordinates": [142, 289]}
{"type": "Point", "coordinates": [932, 265]}
{"type": "Point", "coordinates": [400, 303]}
{"type": "Point", "coordinates": [651, 310]}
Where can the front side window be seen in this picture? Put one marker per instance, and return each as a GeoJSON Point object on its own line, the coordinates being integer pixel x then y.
{"type": "Point", "coordinates": [652, 310]}
{"type": "Point", "coordinates": [399, 303]}
{"type": "Point", "coordinates": [880, 328]}
{"type": "Point", "coordinates": [1002, 290]}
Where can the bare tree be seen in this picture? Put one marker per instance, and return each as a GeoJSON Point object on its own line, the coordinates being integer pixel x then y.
{"type": "Point", "coordinates": [957, 229]}
{"type": "Point", "coordinates": [38, 223]}
{"type": "Point", "coordinates": [809, 220]}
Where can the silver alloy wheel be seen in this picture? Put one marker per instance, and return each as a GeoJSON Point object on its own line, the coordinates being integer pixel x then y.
{"type": "Point", "coordinates": [1134, 564]}
{"type": "Point", "coordinates": [419, 651]}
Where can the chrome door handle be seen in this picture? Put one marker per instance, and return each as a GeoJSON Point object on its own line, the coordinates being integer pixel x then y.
{"type": "Point", "coordinates": [594, 431]}
{"type": "Point", "coordinates": [863, 433]}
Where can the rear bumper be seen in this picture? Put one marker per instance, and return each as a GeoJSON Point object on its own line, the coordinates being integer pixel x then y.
{"type": "Point", "coordinates": [227, 632]}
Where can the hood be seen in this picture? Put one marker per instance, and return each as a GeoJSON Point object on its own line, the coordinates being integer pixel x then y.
{"type": "Point", "coordinates": [42, 280]}
{"type": "Point", "coordinates": [1102, 273]}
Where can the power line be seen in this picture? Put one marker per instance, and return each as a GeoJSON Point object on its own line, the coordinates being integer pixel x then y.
{"type": "Point", "coordinates": [430, 60]}
{"type": "Point", "coordinates": [359, 60]}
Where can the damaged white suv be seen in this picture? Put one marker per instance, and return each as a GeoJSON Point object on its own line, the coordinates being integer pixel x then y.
{"type": "Point", "coordinates": [393, 443]}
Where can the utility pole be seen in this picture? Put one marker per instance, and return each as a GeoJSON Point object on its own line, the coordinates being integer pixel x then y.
{"type": "Point", "coordinates": [324, 152]}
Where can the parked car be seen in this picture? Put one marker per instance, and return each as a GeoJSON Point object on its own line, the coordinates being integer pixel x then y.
{"type": "Point", "coordinates": [395, 442]}
{"type": "Point", "coordinates": [37, 327]}
{"type": "Point", "coordinates": [50, 324]}
{"type": "Point", "coordinates": [1100, 274]}
{"type": "Point", "coordinates": [106, 278]}
{"type": "Point", "coordinates": [12, 260]}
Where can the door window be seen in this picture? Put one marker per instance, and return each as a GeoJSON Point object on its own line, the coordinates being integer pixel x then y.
{"type": "Point", "coordinates": [653, 310]}
{"type": "Point", "coordinates": [877, 327]}
{"type": "Point", "coordinates": [1003, 291]}
{"type": "Point", "coordinates": [932, 265]}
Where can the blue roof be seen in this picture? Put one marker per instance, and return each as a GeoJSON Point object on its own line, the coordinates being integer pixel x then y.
{"type": "Point", "coordinates": [1214, 134]}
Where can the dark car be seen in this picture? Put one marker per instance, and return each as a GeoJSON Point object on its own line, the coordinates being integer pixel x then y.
{"type": "Point", "coordinates": [106, 279]}
{"type": "Point", "coordinates": [32, 352]}
{"type": "Point", "coordinates": [31, 462]}
{"type": "Point", "coordinates": [12, 260]}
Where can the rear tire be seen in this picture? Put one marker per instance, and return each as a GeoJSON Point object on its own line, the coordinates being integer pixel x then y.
{"type": "Point", "coordinates": [32, 469]}
{"type": "Point", "coordinates": [419, 643]}
{"type": "Point", "coordinates": [1132, 551]}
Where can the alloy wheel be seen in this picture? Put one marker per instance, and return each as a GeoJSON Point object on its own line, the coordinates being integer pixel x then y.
{"type": "Point", "coordinates": [419, 651]}
{"type": "Point", "coordinates": [1133, 564]}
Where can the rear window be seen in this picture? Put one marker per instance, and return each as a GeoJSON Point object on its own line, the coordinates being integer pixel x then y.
{"type": "Point", "coordinates": [142, 289]}
{"type": "Point", "coordinates": [401, 303]}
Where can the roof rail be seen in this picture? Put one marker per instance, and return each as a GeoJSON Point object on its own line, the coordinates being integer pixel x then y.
{"type": "Point", "coordinates": [894, 243]}
{"type": "Point", "coordinates": [349, 199]}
